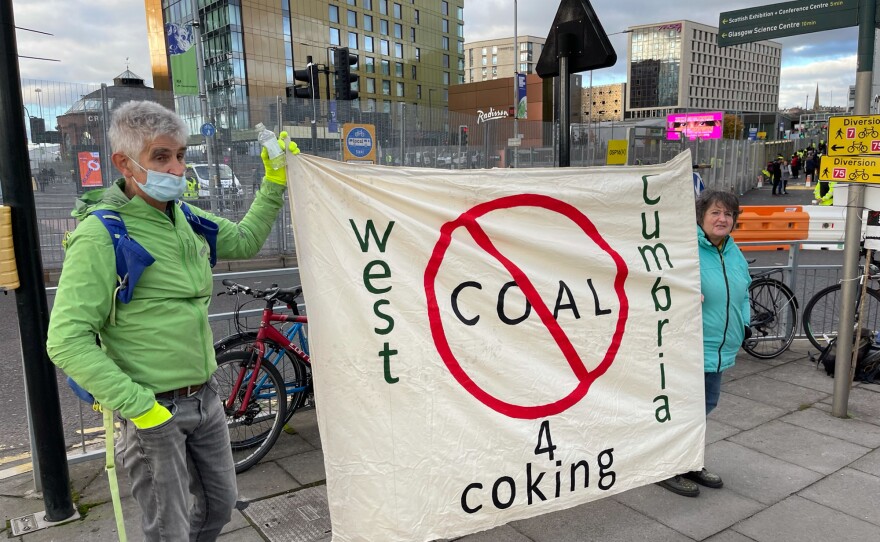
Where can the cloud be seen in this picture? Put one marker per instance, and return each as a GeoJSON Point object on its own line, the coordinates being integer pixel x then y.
{"type": "Point", "coordinates": [93, 38]}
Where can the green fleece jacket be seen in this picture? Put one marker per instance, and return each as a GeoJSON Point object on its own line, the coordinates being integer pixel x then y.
{"type": "Point", "coordinates": [161, 340]}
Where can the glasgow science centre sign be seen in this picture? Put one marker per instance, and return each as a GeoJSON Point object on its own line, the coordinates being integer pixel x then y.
{"type": "Point", "coordinates": [785, 19]}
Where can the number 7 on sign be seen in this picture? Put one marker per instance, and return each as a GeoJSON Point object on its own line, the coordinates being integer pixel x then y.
{"type": "Point", "coordinates": [875, 145]}
{"type": "Point", "coordinates": [839, 173]}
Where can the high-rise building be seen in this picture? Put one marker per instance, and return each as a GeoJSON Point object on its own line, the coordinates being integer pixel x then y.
{"type": "Point", "coordinates": [408, 50]}
{"type": "Point", "coordinates": [675, 67]}
{"type": "Point", "coordinates": [490, 59]}
{"type": "Point", "coordinates": [604, 102]}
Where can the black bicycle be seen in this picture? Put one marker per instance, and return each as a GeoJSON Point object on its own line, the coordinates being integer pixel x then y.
{"type": "Point", "coordinates": [774, 315]}
{"type": "Point", "coordinates": [822, 313]}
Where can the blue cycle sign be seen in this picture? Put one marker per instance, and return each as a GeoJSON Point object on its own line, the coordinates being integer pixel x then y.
{"type": "Point", "coordinates": [359, 143]}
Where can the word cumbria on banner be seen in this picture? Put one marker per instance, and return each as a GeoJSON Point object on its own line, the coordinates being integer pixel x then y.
{"type": "Point", "coordinates": [491, 345]}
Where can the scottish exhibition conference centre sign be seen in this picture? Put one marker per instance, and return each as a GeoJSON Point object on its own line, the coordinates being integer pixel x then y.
{"type": "Point", "coordinates": [785, 19]}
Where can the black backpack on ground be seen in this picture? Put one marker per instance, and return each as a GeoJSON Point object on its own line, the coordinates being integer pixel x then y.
{"type": "Point", "coordinates": [867, 362]}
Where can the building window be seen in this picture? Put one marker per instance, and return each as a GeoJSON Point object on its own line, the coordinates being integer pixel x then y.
{"type": "Point", "coordinates": [370, 64]}
{"type": "Point", "coordinates": [368, 44]}
{"type": "Point", "coordinates": [397, 11]}
{"type": "Point", "coordinates": [446, 78]}
{"type": "Point", "coordinates": [418, 53]}
{"type": "Point", "coordinates": [334, 14]}
{"type": "Point", "coordinates": [444, 8]}
{"type": "Point", "coordinates": [445, 25]}
{"type": "Point", "coordinates": [461, 47]}
{"type": "Point", "coordinates": [494, 60]}
{"type": "Point", "coordinates": [368, 4]}
{"type": "Point", "coordinates": [413, 69]}
{"type": "Point", "coordinates": [352, 2]}
{"type": "Point", "coordinates": [334, 36]}
{"type": "Point", "coordinates": [459, 13]}
{"type": "Point", "coordinates": [368, 23]}
{"type": "Point", "coordinates": [417, 17]}
{"type": "Point", "coordinates": [398, 69]}
{"type": "Point", "coordinates": [412, 34]}
{"type": "Point", "coordinates": [446, 61]}
{"type": "Point", "coordinates": [371, 85]}
{"type": "Point", "coordinates": [371, 105]}
{"type": "Point", "coordinates": [383, 7]}
{"type": "Point", "coordinates": [460, 33]}
{"type": "Point", "coordinates": [398, 50]}
{"type": "Point", "coordinates": [352, 40]}
{"type": "Point", "coordinates": [383, 47]}
{"type": "Point", "coordinates": [398, 31]}
{"type": "Point", "coordinates": [383, 27]}
{"type": "Point", "coordinates": [400, 90]}
{"type": "Point", "coordinates": [386, 87]}
{"type": "Point", "coordinates": [386, 67]}
{"type": "Point", "coordinates": [419, 91]}
{"type": "Point", "coordinates": [445, 43]}
{"type": "Point", "coordinates": [485, 62]}
{"type": "Point", "coordinates": [352, 19]}
{"type": "Point", "coordinates": [386, 106]}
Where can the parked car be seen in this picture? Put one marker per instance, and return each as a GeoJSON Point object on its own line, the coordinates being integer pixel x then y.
{"type": "Point", "coordinates": [202, 173]}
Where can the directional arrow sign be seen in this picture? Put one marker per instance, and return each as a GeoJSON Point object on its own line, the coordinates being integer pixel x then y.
{"type": "Point", "coordinates": [852, 169]}
{"type": "Point", "coordinates": [785, 19]}
{"type": "Point", "coordinates": [854, 134]}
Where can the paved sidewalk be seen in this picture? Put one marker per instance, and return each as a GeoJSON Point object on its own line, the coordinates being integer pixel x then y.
{"type": "Point", "coordinates": [792, 472]}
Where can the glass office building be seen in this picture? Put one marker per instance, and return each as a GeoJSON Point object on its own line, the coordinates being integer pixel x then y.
{"type": "Point", "coordinates": [676, 67]}
{"type": "Point", "coordinates": [409, 51]}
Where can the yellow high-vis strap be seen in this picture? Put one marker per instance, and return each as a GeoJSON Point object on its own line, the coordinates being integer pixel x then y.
{"type": "Point", "coordinates": [8, 269]}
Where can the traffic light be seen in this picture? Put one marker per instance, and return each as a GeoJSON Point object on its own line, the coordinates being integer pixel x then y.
{"type": "Point", "coordinates": [310, 77]}
{"type": "Point", "coordinates": [345, 63]}
{"type": "Point", "coordinates": [463, 135]}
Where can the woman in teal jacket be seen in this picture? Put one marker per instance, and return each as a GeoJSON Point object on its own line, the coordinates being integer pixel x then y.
{"type": "Point", "coordinates": [724, 284]}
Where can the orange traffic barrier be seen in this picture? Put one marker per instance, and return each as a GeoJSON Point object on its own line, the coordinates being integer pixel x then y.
{"type": "Point", "coordinates": [771, 223]}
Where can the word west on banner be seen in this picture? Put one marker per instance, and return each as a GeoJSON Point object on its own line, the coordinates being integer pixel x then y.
{"type": "Point", "coordinates": [492, 345]}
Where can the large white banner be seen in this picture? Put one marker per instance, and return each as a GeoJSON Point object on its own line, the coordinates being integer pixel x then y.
{"type": "Point", "coordinates": [491, 345]}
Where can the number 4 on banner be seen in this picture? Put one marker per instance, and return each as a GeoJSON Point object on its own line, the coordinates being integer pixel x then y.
{"type": "Point", "coordinates": [544, 435]}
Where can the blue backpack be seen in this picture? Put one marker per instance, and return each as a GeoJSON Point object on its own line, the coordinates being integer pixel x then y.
{"type": "Point", "coordinates": [132, 260]}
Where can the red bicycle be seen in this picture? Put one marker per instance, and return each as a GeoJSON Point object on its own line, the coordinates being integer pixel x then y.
{"type": "Point", "coordinates": [264, 376]}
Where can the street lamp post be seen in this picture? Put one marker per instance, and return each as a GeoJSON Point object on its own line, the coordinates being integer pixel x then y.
{"type": "Point", "coordinates": [515, 85]}
{"type": "Point", "coordinates": [39, 91]}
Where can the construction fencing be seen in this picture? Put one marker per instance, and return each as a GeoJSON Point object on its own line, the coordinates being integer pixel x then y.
{"type": "Point", "coordinates": [70, 154]}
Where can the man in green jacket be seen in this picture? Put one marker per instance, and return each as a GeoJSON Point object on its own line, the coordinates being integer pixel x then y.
{"type": "Point", "coordinates": [155, 361]}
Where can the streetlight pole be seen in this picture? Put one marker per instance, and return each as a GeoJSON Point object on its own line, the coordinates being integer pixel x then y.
{"type": "Point", "coordinates": [39, 92]}
{"type": "Point", "coordinates": [515, 85]}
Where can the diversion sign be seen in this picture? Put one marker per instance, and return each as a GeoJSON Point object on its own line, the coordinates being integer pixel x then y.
{"type": "Point", "coordinates": [785, 19]}
{"type": "Point", "coordinates": [493, 345]}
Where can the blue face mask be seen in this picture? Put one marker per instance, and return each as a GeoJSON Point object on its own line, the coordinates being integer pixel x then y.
{"type": "Point", "coordinates": [162, 186]}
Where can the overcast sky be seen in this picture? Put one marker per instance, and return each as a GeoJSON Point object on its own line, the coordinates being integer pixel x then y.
{"type": "Point", "coordinates": [95, 39]}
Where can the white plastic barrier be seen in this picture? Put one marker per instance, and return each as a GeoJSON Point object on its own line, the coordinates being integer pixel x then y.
{"type": "Point", "coordinates": [827, 224]}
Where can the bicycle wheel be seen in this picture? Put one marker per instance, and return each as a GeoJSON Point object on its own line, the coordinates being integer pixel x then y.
{"type": "Point", "coordinates": [774, 314]}
{"type": "Point", "coordinates": [253, 433]}
{"type": "Point", "coordinates": [822, 314]}
{"type": "Point", "coordinates": [294, 373]}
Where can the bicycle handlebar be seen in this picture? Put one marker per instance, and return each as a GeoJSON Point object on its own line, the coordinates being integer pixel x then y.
{"type": "Point", "coordinates": [273, 293]}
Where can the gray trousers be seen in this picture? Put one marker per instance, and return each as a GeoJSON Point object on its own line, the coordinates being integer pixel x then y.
{"type": "Point", "coordinates": [181, 472]}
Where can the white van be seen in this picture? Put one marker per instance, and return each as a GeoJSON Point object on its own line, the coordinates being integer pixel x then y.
{"type": "Point", "coordinates": [203, 172]}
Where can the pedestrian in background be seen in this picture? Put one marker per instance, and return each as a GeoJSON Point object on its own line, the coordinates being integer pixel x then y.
{"type": "Point", "coordinates": [724, 285]}
{"type": "Point", "coordinates": [155, 361]}
{"type": "Point", "coordinates": [776, 170]}
{"type": "Point", "coordinates": [786, 175]}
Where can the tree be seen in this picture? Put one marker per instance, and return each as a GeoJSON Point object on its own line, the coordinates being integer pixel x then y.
{"type": "Point", "coordinates": [733, 127]}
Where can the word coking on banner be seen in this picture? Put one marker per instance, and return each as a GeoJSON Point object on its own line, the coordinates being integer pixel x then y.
{"type": "Point", "coordinates": [490, 345]}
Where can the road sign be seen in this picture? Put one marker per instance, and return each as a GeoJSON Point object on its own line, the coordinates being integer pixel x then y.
{"type": "Point", "coordinates": [514, 142]}
{"type": "Point", "coordinates": [208, 129]}
{"type": "Point", "coordinates": [359, 143]}
{"type": "Point", "coordinates": [616, 153]}
{"type": "Point", "coordinates": [851, 169]}
{"type": "Point", "coordinates": [854, 134]}
{"type": "Point", "coordinates": [785, 19]}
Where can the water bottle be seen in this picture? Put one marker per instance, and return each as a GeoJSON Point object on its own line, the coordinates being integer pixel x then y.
{"type": "Point", "coordinates": [268, 140]}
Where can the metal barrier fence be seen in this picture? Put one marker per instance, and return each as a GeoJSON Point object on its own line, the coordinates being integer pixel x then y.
{"type": "Point", "coordinates": [69, 151]}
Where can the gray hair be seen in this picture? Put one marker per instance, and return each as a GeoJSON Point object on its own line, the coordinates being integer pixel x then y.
{"type": "Point", "coordinates": [710, 196]}
{"type": "Point", "coordinates": [135, 124]}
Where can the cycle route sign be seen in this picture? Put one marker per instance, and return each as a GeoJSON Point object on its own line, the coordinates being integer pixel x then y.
{"type": "Point", "coordinates": [853, 150]}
